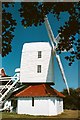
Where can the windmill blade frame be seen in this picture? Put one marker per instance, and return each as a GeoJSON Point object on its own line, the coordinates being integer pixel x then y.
{"type": "Point", "coordinates": [62, 72]}
{"type": "Point", "coordinates": [50, 33]}
{"type": "Point", "coordinates": [54, 41]}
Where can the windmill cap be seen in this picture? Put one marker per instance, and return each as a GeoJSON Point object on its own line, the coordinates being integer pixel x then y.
{"type": "Point", "coordinates": [36, 46]}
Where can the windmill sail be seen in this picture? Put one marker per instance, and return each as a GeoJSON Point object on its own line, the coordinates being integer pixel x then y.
{"type": "Point", "coordinates": [54, 41]}
{"type": "Point", "coordinates": [50, 33]}
{"type": "Point", "coordinates": [62, 72]}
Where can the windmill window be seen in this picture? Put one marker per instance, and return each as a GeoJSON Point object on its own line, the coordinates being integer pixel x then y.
{"type": "Point", "coordinates": [38, 68]}
{"type": "Point", "coordinates": [39, 54]}
{"type": "Point", "coordinates": [33, 101]}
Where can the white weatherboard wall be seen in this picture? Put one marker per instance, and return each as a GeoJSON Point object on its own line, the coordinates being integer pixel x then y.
{"type": "Point", "coordinates": [30, 60]}
{"type": "Point", "coordinates": [59, 105]}
{"type": "Point", "coordinates": [42, 106]}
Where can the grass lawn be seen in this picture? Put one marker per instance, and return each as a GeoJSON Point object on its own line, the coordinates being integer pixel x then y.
{"type": "Point", "coordinates": [66, 114]}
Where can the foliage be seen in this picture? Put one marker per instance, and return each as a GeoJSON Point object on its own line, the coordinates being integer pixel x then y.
{"type": "Point", "coordinates": [72, 101]}
{"type": "Point", "coordinates": [8, 26]}
{"type": "Point", "coordinates": [33, 13]}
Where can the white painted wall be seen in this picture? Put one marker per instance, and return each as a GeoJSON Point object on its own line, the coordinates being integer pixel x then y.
{"type": "Point", "coordinates": [30, 60]}
{"type": "Point", "coordinates": [42, 106]}
{"type": "Point", "coordinates": [59, 105]}
{"type": "Point", "coordinates": [52, 106]}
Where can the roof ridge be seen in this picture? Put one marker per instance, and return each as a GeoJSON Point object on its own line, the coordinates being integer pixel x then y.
{"type": "Point", "coordinates": [44, 87]}
{"type": "Point", "coordinates": [24, 90]}
{"type": "Point", "coordinates": [57, 92]}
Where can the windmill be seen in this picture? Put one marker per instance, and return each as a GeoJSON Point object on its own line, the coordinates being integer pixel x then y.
{"type": "Point", "coordinates": [35, 55]}
{"type": "Point", "coordinates": [37, 70]}
{"type": "Point", "coordinates": [55, 41]}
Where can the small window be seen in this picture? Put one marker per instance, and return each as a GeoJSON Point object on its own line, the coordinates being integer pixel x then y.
{"type": "Point", "coordinates": [39, 69]}
{"type": "Point", "coordinates": [33, 101]}
{"type": "Point", "coordinates": [39, 54]}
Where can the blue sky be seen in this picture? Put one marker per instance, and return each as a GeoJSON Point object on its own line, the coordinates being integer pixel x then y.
{"type": "Point", "coordinates": [34, 34]}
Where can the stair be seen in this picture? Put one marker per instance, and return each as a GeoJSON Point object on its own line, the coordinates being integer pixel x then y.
{"type": "Point", "coordinates": [9, 88]}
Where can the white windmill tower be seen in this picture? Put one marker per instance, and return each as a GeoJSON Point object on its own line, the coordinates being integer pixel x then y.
{"type": "Point", "coordinates": [37, 63]}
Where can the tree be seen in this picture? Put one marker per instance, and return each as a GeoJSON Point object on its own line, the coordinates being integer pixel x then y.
{"type": "Point", "coordinates": [33, 13]}
{"type": "Point", "coordinates": [72, 101]}
{"type": "Point", "coordinates": [8, 26]}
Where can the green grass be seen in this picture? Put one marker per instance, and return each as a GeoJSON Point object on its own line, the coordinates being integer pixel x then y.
{"type": "Point", "coordinates": [65, 114]}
